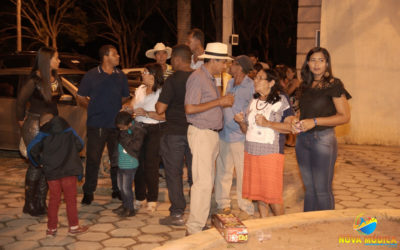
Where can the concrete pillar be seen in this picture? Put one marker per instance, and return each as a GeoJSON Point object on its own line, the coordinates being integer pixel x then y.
{"type": "Point", "coordinates": [308, 22]}
{"type": "Point", "coordinates": [227, 22]}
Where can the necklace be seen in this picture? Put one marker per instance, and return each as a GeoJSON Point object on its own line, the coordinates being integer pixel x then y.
{"type": "Point", "coordinates": [262, 107]}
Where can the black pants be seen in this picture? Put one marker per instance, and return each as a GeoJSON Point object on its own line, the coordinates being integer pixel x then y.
{"type": "Point", "coordinates": [97, 139]}
{"type": "Point", "coordinates": [174, 151]}
{"type": "Point", "coordinates": [146, 178]}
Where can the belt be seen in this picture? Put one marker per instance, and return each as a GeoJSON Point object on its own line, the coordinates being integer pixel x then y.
{"type": "Point", "coordinates": [212, 129]}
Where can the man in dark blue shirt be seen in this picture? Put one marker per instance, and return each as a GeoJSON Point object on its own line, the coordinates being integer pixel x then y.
{"type": "Point", "coordinates": [102, 91]}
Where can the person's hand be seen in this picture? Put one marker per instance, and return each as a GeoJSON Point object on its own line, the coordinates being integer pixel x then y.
{"type": "Point", "coordinates": [261, 121]}
{"type": "Point", "coordinates": [307, 124]}
{"type": "Point", "coordinates": [20, 123]}
{"type": "Point", "coordinates": [140, 112]}
{"type": "Point", "coordinates": [296, 126]}
{"type": "Point", "coordinates": [239, 117]}
{"type": "Point", "coordinates": [128, 108]}
{"type": "Point", "coordinates": [227, 100]}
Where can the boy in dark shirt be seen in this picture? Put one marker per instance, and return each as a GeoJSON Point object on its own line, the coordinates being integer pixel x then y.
{"type": "Point", "coordinates": [130, 141]}
{"type": "Point", "coordinates": [56, 148]}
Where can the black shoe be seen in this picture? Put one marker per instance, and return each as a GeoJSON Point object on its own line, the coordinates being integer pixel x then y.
{"type": "Point", "coordinates": [87, 199]}
{"type": "Point", "coordinates": [116, 194]}
{"type": "Point", "coordinates": [173, 220]}
{"type": "Point", "coordinates": [127, 213]}
{"type": "Point", "coordinates": [118, 210]}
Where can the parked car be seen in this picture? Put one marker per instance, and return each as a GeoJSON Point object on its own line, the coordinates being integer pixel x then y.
{"type": "Point", "coordinates": [134, 76]}
{"type": "Point", "coordinates": [67, 60]}
{"type": "Point", "coordinates": [11, 80]}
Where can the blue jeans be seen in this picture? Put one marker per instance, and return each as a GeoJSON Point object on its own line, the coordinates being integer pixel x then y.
{"type": "Point", "coordinates": [316, 153]}
{"type": "Point", "coordinates": [125, 181]}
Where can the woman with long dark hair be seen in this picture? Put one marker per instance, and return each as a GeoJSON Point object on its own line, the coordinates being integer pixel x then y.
{"type": "Point", "coordinates": [146, 97]}
{"type": "Point", "coordinates": [41, 91]}
{"type": "Point", "coordinates": [269, 114]}
{"type": "Point", "coordinates": [323, 105]}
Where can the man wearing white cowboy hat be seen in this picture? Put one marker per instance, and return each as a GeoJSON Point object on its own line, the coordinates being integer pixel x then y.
{"type": "Point", "coordinates": [161, 53]}
{"type": "Point", "coordinates": [203, 107]}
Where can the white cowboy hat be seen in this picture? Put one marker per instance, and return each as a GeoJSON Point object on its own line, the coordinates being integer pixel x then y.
{"type": "Point", "coordinates": [159, 47]}
{"type": "Point", "coordinates": [216, 51]}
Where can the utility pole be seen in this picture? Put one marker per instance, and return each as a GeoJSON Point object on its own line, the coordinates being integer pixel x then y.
{"type": "Point", "coordinates": [227, 23]}
{"type": "Point", "coordinates": [183, 22]}
{"type": "Point", "coordinates": [19, 35]}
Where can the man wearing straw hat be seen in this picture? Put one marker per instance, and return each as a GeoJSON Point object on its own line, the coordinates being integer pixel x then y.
{"type": "Point", "coordinates": [203, 107]}
{"type": "Point", "coordinates": [161, 54]}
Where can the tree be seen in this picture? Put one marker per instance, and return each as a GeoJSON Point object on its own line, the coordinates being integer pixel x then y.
{"type": "Point", "coordinates": [120, 22]}
{"type": "Point", "coordinates": [49, 18]}
{"type": "Point", "coordinates": [184, 16]}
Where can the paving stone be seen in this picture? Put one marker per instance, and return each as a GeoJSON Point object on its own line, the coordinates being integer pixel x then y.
{"type": "Point", "coordinates": [164, 206]}
{"type": "Point", "coordinates": [154, 229]}
{"type": "Point", "coordinates": [363, 176]}
{"type": "Point", "coordinates": [394, 204]}
{"type": "Point", "coordinates": [125, 232]}
{"type": "Point", "coordinates": [132, 222]}
{"type": "Point", "coordinates": [32, 235]}
{"type": "Point", "coordinates": [50, 248]}
{"type": "Point", "coordinates": [87, 245]}
{"type": "Point", "coordinates": [91, 236]}
{"type": "Point", "coordinates": [385, 193]}
{"type": "Point", "coordinates": [59, 240]}
{"type": "Point", "coordinates": [114, 248]}
{"type": "Point", "coordinates": [144, 246]}
{"type": "Point", "coordinates": [342, 192]}
{"type": "Point", "coordinates": [338, 206]}
{"type": "Point", "coordinates": [377, 206]}
{"type": "Point", "coordinates": [38, 227]}
{"type": "Point", "coordinates": [108, 219]}
{"type": "Point", "coordinates": [119, 242]}
{"type": "Point", "coordinates": [373, 201]}
{"type": "Point", "coordinates": [151, 238]}
{"type": "Point", "coordinates": [181, 233]}
{"type": "Point", "coordinates": [375, 188]}
{"type": "Point", "coordinates": [5, 218]}
{"type": "Point", "coordinates": [21, 222]}
{"type": "Point", "coordinates": [12, 231]}
{"type": "Point", "coordinates": [390, 182]}
{"type": "Point", "coordinates": [366, 195]}
{"type": "Point", "coordinates": [10, 211]}
{"type": "Point", "coordinates": [391, 186]}
{"type": "Point", "coordinates": [352, 185]}
{"type": "Point", "coordinates": [338, 187]}
{"type": "Point", "coordinates": [21, 245]}
{"type": "Point", "coordinates": [102, 227]}
{"type": "Point", "coordinates": [372, 183]}
{"type": "Point", "coordinates": [347, 197]}
{"type": "Point", "coordinates": [390, 198]}
{"type": "Point", "coordinates": [6, 240]}
{"type": "Point", "coordinates": [352, 204]}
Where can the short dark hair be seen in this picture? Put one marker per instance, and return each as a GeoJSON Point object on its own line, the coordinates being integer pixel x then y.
{"type": "Point", "coordinates": [254, 53]}
{"type": "Point", "coordinates": [105, 51]}
{"type": "Point", "coordinates": [156, 70]}
{"type": "Point", "coordinates": [123, 118]}
{"type": "Point", "coordinates": [198, 34]}
{"type": "Point", "coordinates": [258, 67]}
{"type": "Point", "coordinates": [183, 51]}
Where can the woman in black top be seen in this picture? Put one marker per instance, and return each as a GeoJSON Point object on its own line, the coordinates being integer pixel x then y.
{"type": "Point", "coordinates": [41, 91]}
{"type": "Point", "coordinates": [323, 105]}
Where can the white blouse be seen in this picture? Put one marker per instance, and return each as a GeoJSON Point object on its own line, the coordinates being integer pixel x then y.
{"type": "Point", "coordinates": [147, 102]}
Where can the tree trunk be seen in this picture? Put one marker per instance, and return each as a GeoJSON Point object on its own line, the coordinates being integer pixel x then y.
{"type": "Point", "coordinates": [19, 35]}
{"type": "Point", "coordinates": [184, 19]}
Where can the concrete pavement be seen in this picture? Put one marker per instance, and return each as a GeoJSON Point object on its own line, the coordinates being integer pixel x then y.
{"type": "Point", "coordinates": [365, 177]}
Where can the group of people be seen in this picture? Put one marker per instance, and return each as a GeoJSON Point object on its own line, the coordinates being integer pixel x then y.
{"type": "Point", "coordinates": [184, 114]}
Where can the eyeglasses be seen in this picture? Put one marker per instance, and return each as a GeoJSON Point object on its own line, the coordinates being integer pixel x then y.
{"type": "Point", "coordinates": [260, 78]}
{"type": "Point", "coordinates": [146, 72]}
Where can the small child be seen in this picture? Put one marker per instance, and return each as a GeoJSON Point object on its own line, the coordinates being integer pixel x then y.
{"type": "Point", "coordinates": [130, 141]}
{"type": "Point", "coordinates": [56, 148]}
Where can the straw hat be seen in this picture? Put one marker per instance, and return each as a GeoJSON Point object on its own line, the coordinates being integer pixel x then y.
{"type": "Point", "coordinates": [159, 47]}
{"type": "Point", "coordinates": [216, 51]}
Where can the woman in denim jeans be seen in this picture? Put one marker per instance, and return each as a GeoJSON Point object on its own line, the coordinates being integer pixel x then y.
{"type": "Point", "coordinates": [323, 105]}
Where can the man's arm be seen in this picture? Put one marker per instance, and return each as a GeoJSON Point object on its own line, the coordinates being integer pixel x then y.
{"type": "Point", "coordinates": [224, 101]}
{"type": "Point", "coordinates": [161, 107]}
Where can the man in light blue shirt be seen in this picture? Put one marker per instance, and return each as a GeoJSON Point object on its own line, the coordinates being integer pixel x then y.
{"type": "Point", "coordinates": [231, 140]}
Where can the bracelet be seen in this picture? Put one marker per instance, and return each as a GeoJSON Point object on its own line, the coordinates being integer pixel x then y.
{"type": "Point", "coordinates": [315, 121]}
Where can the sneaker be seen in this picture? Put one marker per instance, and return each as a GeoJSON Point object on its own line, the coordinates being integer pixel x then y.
{"type": "Point", "coordinates": [139, 204]}
{"type": "Point", "coordinates": [127, 213]}
{"type": "Point", "coordinates": [77, 230]}
{"type": "Point", "coordinates": [173, 220]}
{"type": "Point", "coordinates": [51, 232]}
{"type": "Point", "coordinates": [151, 206]}
{"type": "Point", "coordinates": [118, 210]}
{"type": "Point", "coordinates": [226, 210]}
{"type": "Point", "coordinates": [116, 195]}
{"type": "Point", "coordinates": [87, 199]}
